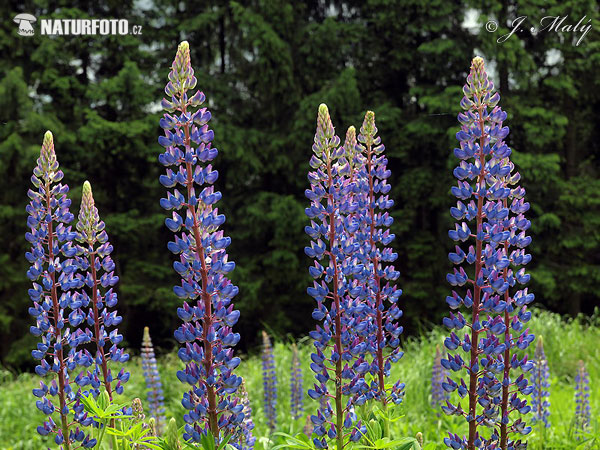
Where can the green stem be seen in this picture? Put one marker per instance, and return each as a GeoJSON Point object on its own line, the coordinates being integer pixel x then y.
{"type": "Point", "coordinates": [101, 431]}
{"type": "Point", "coordinates": [386, 425]}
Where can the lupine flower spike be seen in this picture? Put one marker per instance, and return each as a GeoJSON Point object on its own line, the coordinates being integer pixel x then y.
{"type": "Point", "coordinates": [376, 279]}
{"type": "Point", "coordinates": [97, 274]}
{"type": "Point", "coordinates": [153, 383]}
{"type": "Point", "coordinates": [438, 376]}
{"type": "Point", "coordinates": [582, 400]}
{"type": "Point", "coordinates": [496, 205]}
{"type": "Point", "coordinates": [244, 439]}
{"type": "Point", "coordinates": [296, 389]}
{"type": "Point", "coordinates": [331, 232]}
{"type": "Point", "coordinates": [269, 382]}
{"type": "Point", "coordinates": [207, 311]}
{"type": "Point", "coordinates": [56, 308]}
{"type": "Point", "coordinates": [540, 396]}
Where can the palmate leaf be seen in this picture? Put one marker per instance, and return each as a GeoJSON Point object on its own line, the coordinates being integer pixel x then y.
{"type": "Point", "coordinates": [375, 440]}
{"type": "Point", "coordinates": [103, 409]}
{"type": "Point", "coordinates": [407, 443]}
{"type": "Point", "coordinates": [388, 414]}
{"type": "Point", "coordinates": [207, 442]}
{"type": "Point", "coordinates": [299, 441]}
{"type": "Point", "coordinates": [136, 435]}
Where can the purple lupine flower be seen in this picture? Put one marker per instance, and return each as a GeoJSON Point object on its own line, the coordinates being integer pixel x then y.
{"type": "Point", "coordinates": [296, 383]}
{"type": "Point", "coordinates": [153, 384]}
{"type": "Point", "coordinates": [438, 376]}
{"type": "Point", "coordinates": [207, 312]}
{"type": "Point", "coordinates": [269, 382]}
{"type": "Point", "coordinates": [500, 239]}
{"type": "Point", "coordinates": [540, 374]}
{"type": "Point", "coordinates": [376, 279]}
{"type": "Point", "coordinates": [56, 308]}
{"type": "Point", "coordinates": [582, 400]}
{"type": "Point", "coordinates": [244, 439]}
{"type": "Point", "coordinates": [331, 232]}
{"type": "Point", "coordinates": [96, 272]}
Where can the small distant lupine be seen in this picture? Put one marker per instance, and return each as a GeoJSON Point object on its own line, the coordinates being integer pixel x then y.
{"type": "Point", "coordinates": [56, 308]}
{"type": "Point", "coordinates": [332, 246]}
{"type": "Point", "coordinates": [375, 280]}
{"type": "Point", "coordinates": [540, 375]}
{"type": "Point", "coordinates": [244, 440]}
{"type": "Point", "coordinates": [153, 384]}
{"type": "Point", "coordinates": [96, 272]}
{"type": "Point", "coordinates": [438, 376]}
{"type": "Point", "coordinates": [582, 400]}
{"type": "Point", "coordinates": [207, 312]}
{"type": "Point", "coordinates": [269, 382]}
{"type": "Point", "coordinates": [308, 426]}
{"type": "Point", "coordinates": [500, 239]}
{"type": "Point", "coordinates": [296, 386]}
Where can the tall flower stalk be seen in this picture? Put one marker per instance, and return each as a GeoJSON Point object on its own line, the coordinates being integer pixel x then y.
{"type": "Point", "coordinates": [207, 312]}
{"type": "Point", "coordinates": [296, 383]}
{"type": "Point", "coordinates": [496, 205]}
{"type": "Point", "coordinates": [540, 396]}
{"type": "Point", "coordinates": [96, 272]}
{"type": "Point", "coordinates": [332, 243]}
{"type": "Point", "coordinates": [153, 384]}
{"type": "Point", "coordinates": [582, 400]}
{"type": "Point", "coordinates": [56, 308]}
{"type": "Point", "coordinates": [269, 382]}
{"type": "Point", "coordinates": [375, 257]}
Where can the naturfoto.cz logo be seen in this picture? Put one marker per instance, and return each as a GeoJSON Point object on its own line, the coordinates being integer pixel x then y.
{"type": "Point", "coordinates": [75, 27]}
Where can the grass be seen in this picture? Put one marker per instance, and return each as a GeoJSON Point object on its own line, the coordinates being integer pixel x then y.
{"type": "Point", "coordinates": [565, 341]}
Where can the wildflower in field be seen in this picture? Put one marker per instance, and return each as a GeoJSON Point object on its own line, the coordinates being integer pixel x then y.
{"type": "Point", "coordinates": [296, 386]}
{"type": "Point", "coordinates": [57, 309]}
{"type": "Point", "coordinates": [488, 195]}
{"type": "Point", "coordinates": [337, 359]}
{"type": "Point", "coordinates": [582, 400]}
{"type": "Point", "coordinates": [438, 376]}
{"type": "Point", "coordinates": [153, 384]}
{"type": "Point", "coordinates": [540, 374]}
{"type": "Point", "coordinates": [372, 263]}
{"type": "Point", "coordinates": [207, 312]}
{"type": "Point", "coordinates": [269, 382]}
{"type": "Point", "coordinates": [96, 273]}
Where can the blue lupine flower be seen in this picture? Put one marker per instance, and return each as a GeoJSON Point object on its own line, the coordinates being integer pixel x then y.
{"type": "Point", "coordinates": [207, 311]}
{"type": "Point", "coordinates": [331, 232]}
{"type": "Point", "coordinates": [96, 273]}
{"type": "Point", "coordinates": [372, 262]}
{"type": "Point", "coordinates": [489, 198]}
{"type": "Point", "coordinates": [269, 382]}
{"type": "Point", "coordinates": [540, 396]}
{"type": "Point", "coordinates": [296, 386]}
{"type": "Point", "coordinates": [56, 308]}
{"type": "Point", "coordinates": [244, 439]}
{"type": "Point", "coordinates": [582, 400]}
{"type": "Point", "coordinates": [438, 377]}
{"type": "Point", "coordinates": [153, 384]}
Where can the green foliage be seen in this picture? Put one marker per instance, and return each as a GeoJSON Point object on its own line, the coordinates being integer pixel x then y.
{"type": "Point", "coordinates": [562, 342]}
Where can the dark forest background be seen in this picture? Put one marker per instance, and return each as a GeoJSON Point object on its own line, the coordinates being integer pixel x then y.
{"type": "Point", "coordinates": [265, 65]}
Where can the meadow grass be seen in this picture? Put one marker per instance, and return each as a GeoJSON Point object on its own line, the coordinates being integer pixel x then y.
{"type": "Point", "coordinates": [565, 342]}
